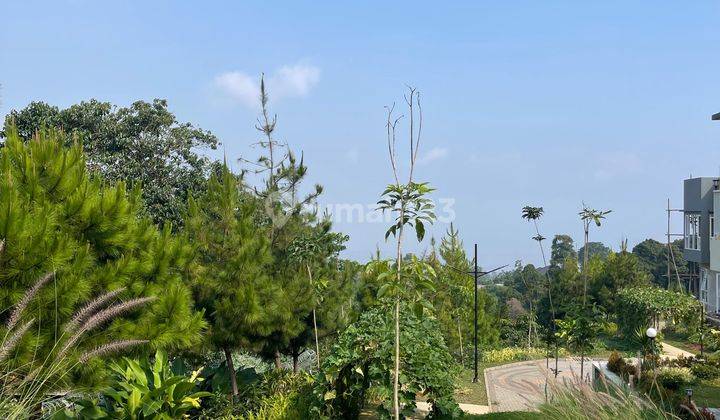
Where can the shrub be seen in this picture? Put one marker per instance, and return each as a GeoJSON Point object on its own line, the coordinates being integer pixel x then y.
{"type": "Point", "coordinates": [705, 370]}
{"type": "Point", "coordinates": [682, 361]}
{"type": "Point", "coordinates": [637, 306]}
{"type": "Point", "coordinates": [713, 340]}
{"type": "Point", "coordinates": [141, 389]}
{"type": "Point", "coordinates": [615, 363]}
{"type": "Point", "coordinates": [276, 391]}
{"type": "Point", "coordinates": [513, 354]}
{"type": "Point", "coordinates": [362, 360]}
{"type": "Point", "coordinates": [618, 365]}
{"type": "Point", "coordinates": [674, 377]}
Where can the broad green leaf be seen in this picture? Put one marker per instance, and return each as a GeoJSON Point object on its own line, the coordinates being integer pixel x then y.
{"type": "Point", "coordinates": [419, 230]}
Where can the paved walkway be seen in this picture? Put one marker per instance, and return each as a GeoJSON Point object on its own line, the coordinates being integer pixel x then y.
{"type": "Point", "coordinates": [673, 352]}
{"type": "Point", "coordinates": [423, 408]}
{"type": "Point", "coordinates": [521, 386]}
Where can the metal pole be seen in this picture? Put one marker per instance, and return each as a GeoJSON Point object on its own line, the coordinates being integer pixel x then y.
{"type": "Point", "coordinates": [669, 250]}
{"type": "Point", "coordinates": [475, 286]}
{"type": "Point", "coordinates": [702, 330]}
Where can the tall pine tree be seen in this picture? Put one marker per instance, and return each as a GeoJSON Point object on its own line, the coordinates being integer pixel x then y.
{"type": "Point", "coordinates": [232, 284]}
{"type": "Point", "coordinates": [79, 269]}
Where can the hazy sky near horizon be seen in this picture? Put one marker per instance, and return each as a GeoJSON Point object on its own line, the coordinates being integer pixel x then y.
{"type": "Point", "coordinates": [546, 103]}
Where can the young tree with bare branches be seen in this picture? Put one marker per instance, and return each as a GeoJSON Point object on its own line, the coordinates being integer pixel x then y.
{"type": "Point", "coordinates": [412, 209]}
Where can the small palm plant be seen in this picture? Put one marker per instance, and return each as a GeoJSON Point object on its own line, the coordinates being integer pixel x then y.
{"type": "Point", "coordinates": [532, 213]}
{"type": "Point", "coordinates": [588, 217]}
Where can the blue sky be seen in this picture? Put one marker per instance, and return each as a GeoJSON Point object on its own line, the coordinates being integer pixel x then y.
{"type": "Point", "coordinates": [525, 102]}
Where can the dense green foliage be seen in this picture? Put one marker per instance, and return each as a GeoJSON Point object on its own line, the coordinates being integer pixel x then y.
{"type": "Point", "coordinates": [361, 362]}
{"type": "Point", "coordinates": [274, 394]}
{"type": "Point", "coordinates": [653, 257]}
{"type": "Point", "coordinates": [563, 247]}
{"type": "Point", "coordinates": [453, 299]}
{"type": "Point", "coordinates": [595, 249]}
{"type": "Point", "coordinates": [640, 307]}
{"type": "Point", "coordinates": [141, 144]}
{"type": "Point", "coordinates": [513, 354]}
{"type": "Point", "coordinates": [142, 390]}
{"type": "Point", "coordinates": [82, 273]}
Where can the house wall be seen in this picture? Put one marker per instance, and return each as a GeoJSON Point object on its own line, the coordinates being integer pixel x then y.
{"type": "Point", "coordinates": [699, 198]}
{"type": "Point", "coordinates": [711, 306]}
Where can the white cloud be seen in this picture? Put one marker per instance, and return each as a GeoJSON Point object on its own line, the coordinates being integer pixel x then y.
{"type": "Point", "coordinates": [239, 86]}
{"type": "Point", "coordinates": [294, 81]}
{"type": "Point", "coordinates": [436, 153]}
{"type": "Point", "coordinates": [286, 82]}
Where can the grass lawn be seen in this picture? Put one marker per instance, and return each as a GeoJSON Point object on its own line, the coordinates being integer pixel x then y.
{"type": "Point", "coordinates": [474, 393]}
{"type": "Point", "coordinates": [707, 393]}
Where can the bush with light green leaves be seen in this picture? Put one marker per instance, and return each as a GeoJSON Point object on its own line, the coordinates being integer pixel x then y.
{"type": "Point", "coordinates": [142, 390]}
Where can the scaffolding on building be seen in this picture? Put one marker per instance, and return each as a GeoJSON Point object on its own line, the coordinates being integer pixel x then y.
{"type": "Point", "coordinates": [683, 281]}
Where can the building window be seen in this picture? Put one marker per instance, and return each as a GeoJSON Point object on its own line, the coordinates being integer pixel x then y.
{"type": "Point", "coordinates": [692, 231]}
{"type": "Point", "coordinates": [712, 226]}
{"type": "Point", "coordinates": [703, 285]}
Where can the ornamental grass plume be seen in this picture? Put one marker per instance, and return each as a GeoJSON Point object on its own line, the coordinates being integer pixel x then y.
{"type": "Point", "coordinates": [27, 297]}
{"type": "Point", "coordinates": [578, 400]}
{"type": "Point", "coordinates": [91, 308]}
{"type": "Point", "coordinates": [109, 348]}
{"type": "Point", "coordinates": [102, 317]}
{"type": "Point", "coordinates": [10, 342]}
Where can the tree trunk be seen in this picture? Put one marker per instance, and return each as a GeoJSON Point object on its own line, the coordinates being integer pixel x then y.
{"type": "Point", "coordinates": [278, 364]}
{"type": "Point", "coordinates": [462, 353]}
{"type": "Point", "coordinates": [295, 357]}
{"type": "Point", "coordinates": [585, 258]}
{"type": "Point", "coordinates": [231, 371]}
{"type": "Point", "coordinates": [582, 366]}
{"type": "Point", "coordinates": [317, 342]}
{"type": "Point", "coordinates": [396, 379]}
{"type": "Point", "coordinates": [396, 376]}
{"type": "Point", "coordinates": [530, 325]}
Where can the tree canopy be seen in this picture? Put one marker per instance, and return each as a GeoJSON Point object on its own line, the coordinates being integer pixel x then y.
{"type": "Point", "coordinates": [563, 247]}
{"type": "Point", "coordinates": [140, 144]}
{"type": "Point", "coordinates": [653, 257]}
{"type": "Point", "coordinates": [595, 249]}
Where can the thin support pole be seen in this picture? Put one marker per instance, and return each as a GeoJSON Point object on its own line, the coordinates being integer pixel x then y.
{"type": "Point", "coordinates": [475, 287]}
{"type": "Point", "coordinates": [669, 249]}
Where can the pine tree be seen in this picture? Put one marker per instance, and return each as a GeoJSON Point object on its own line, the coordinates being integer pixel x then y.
{"type": "Point", "coordinates": [81, 265]}
{"type": "Point", "coordinates": [232, 283]}
{"type": "Point", "coordinates": [287, 220]}
{"type": "Point", "coordinates": [317, 252]}
{"type": "Point", "coordinates": [453, 300]}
